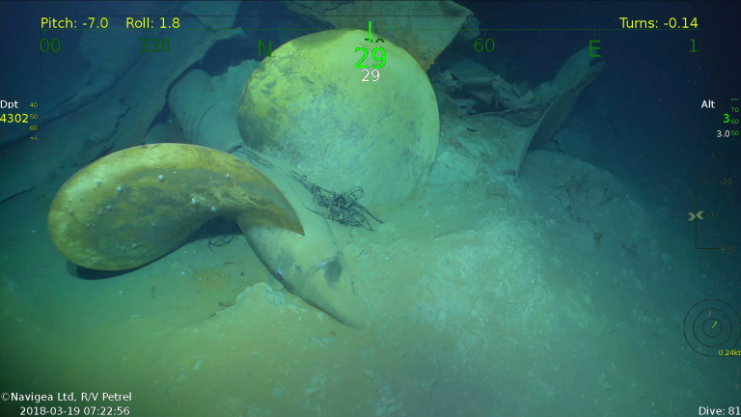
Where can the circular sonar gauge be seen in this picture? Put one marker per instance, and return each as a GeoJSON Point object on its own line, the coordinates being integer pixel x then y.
{"type": "Point", "coordinates": [713, 328]}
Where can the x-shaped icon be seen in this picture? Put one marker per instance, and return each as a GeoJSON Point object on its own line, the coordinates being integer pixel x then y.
{"type": "Point", "coordinates": [698, 215]}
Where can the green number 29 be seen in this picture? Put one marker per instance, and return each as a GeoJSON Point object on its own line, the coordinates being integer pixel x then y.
{"type": "Point", "coordinates": [382, 59]}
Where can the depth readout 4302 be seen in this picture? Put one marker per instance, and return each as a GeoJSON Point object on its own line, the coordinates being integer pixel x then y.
{"type": "Point", "coordinates": [18, 118]}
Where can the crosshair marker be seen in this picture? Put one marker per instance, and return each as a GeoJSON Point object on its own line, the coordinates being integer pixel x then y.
{"type": "Point", "coordinates": [698, 215]}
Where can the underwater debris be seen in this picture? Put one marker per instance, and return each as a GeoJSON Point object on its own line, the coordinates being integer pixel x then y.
{"type": "Point", "coordinates": [342, 208]}
{"type": "Point", "coordinates": [252, 156]}
{"type": "Point", "coordinates": [219, 241]}
{"type": "Point", "coordinates": [236, 148]}
{"type": "Point", "coordinates": [598, 237]}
